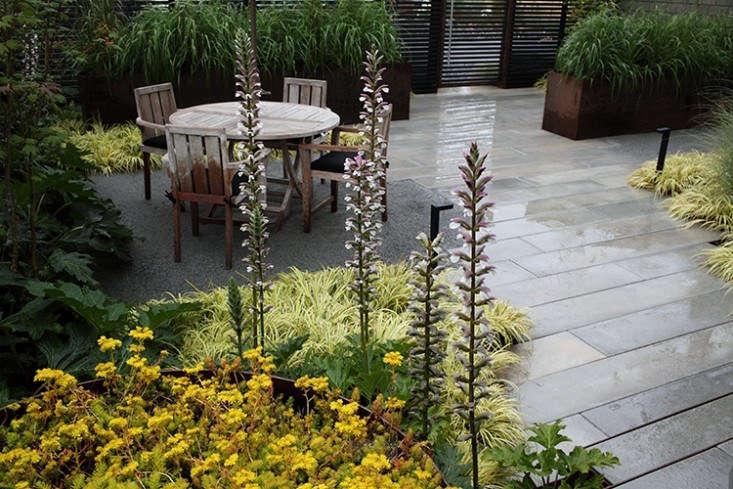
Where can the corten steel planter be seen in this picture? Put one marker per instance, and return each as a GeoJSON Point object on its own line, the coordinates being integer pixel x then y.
{"type": "Point", "coordinates": [112, 101]}
{"type": "Point", "coordinates": [578, 109]}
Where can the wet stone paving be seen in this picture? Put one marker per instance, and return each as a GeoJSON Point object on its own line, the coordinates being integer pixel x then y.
{"type": "Point", "coordinates": [632, 341]}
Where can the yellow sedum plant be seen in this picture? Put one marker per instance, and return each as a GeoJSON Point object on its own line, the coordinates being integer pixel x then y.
{"type": "Point", "coordinates": [193, 429]}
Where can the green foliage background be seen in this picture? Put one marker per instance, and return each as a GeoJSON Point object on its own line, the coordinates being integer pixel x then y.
{"type": "Point", "coordinates": [195, 36]}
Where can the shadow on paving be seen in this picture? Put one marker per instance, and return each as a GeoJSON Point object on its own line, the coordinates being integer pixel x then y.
{"type": "Point", "coordinates": [153, 273]}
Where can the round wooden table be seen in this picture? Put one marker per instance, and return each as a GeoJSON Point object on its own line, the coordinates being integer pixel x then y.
{"type": "Point", "coordinates": [283, 125]}
{"type": "Point", "coordinates": [280, 121]}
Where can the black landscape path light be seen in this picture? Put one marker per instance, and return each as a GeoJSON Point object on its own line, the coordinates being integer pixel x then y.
{"type": "Point", "coordinates": [665, 132]}
{"type": "Point", "coordinates": [435, 211]}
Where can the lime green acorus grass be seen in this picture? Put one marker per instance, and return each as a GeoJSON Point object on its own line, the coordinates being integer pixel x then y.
{"type": "Point", "coordinates": [110, 149]}
{"type": "Point", "coordinates": [700, 188]}
{"type": "Point", "coordinates": [321, 305]}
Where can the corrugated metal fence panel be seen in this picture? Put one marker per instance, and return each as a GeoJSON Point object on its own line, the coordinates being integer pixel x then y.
{"type": "Point", "coordinates": [472, 37]}
{"type": "Point", "coordinates": [538, 26]}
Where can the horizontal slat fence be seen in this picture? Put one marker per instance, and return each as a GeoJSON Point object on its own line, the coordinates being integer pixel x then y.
{"type": "Point", "coordinates": [473, 35]}
{"type": "Point", "coordinates": [539, 26]}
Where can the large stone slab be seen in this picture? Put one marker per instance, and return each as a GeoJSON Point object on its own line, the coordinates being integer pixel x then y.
{"type": "Point", "coordinates": [551, 288]}
{"type": "Point", "coordinates": [609, 251]}
{"type": "Point", "coordinates": [615, 196]}
{"type": "Point", "coordinates": [727, 447]}
{"type": "Point", "coordinates": [591, 308]}
{"type": "Point", "coordinates": [507, 272]}
{"type": "Point", "coordinates": [543, 222]}
{"type": "Point", "coordinates": [551, 354]}
{"type": "Point", "coordinates": [603, 231]}
{"type": "Point", "coordinates": [591, 385]}
{"type": "Point", "coordinates": [670, 439]}
{"type": "Point", "coordinates": [667, 262]}
{"type": "Point", "coordinates": [509, 249]}
{"type": "Point", "coordinates": [633, 411]}
{"type": "Point", "coordinates": [544, 191]}
{"type": "Point", "coordinates": [658, 323]}
{"type": "Point", "coordinates": [710, 469]}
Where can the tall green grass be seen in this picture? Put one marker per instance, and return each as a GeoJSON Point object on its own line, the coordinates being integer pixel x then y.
{"type": "Point", "coordinates": [645, 49]}
{"type": "Point", "coordinates": [196, 36]}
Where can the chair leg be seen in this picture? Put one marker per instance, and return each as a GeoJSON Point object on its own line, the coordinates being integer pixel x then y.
{"type": "Point", "coordinates": [384, 198]}
{"type": "Point", "coordinates": [195, 218]}
{"type": "Point", "coordinates": [334, 195]}
{"type": "Point", "coordinates": [176, 233]}
{"type": "Point", "coordinates": [228, 230]}
{"type": "Point", "coordinates": [146, 174]}
{"type": "Point", "coordinates": [307, 193]}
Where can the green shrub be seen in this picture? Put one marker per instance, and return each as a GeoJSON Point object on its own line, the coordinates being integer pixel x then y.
{"type": "Point", "coordinates": [645, 49]}
{"type": "Point", "coordinates": [550, 464]}
{"type": "Point", "coordinates": [681, 172]}
{"type": "Point", "coordinates": [196, 36]}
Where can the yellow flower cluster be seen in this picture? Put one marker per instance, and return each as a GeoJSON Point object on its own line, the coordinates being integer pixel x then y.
{"type": "Point", "coordinates": [316, 384]}
{"type": "Point", "coordinates": [224, 429]}
{"type": "Point", "coordinates": [393, 359]}
{"type": "Point", "coordinates": [108, 344]}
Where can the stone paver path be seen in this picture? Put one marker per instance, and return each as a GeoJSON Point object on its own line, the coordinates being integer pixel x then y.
{"type": "Point", "coordinates": [633, 342]}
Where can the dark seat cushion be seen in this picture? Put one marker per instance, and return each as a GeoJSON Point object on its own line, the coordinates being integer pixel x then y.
{"type": "Point", "coordinates": [156, 142]}
{"type": "Point", "coordinates": [332, 161]}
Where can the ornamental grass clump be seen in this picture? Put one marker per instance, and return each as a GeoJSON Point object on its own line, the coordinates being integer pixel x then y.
{"type": "Point", "coordinates": [113, 149]}
{"type": "Point", "coordinates": [364, 175]}
{"type": "Point", "coordinates": [700, 186]}
{"type": "Point", "coordinates": [474, 344]}
{"type": "Point", "coordinates": [251, 154]}
{"type": "Point", "coordinates": [223, 428]}
{"type": "Point", "coordinates": [429, 350]}
{"type": "Point", "coordinates": [644, 50]}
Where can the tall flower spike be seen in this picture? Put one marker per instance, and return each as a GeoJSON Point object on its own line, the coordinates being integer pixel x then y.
{"type": "Point", "coordinates": [251, 155]}
{"type": "Point", "coordinates": [429, 350]}
{"type": "Point", "coordinates": [473, 346]}
{"type": "Point", "coordinates": [364, 175]}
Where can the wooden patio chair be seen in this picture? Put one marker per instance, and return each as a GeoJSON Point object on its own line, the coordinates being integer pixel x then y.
{"type": "Point", "coordinates": [201, 173]}
{"type": "Point", "coordinates": [155, 104]}
{"type": "Point", "coordinates": [304, 91]}
{"type": "Point", "coordinates": [330, 166]}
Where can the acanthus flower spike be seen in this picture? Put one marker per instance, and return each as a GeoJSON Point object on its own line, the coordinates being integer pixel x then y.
{"type": "Point", "coordinates": [251, 154]}
{"type": "Point", "coordinates": [474, 344]}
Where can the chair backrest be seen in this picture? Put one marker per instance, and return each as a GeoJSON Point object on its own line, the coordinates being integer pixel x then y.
{"type": "Point", "coordinates": [155, 104]}
{"type": "Point", "coordinates": [304, 91]}
{"type": "Point", "coordinates": [199, 160]}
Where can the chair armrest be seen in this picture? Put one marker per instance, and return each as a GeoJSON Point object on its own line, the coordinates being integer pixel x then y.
{"type": "Point", "coordinates": [150, 125]}
{"type": "Point", "coordinates": [348, 129]}
{"type": "Point", "coordinates": [328, 147]}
